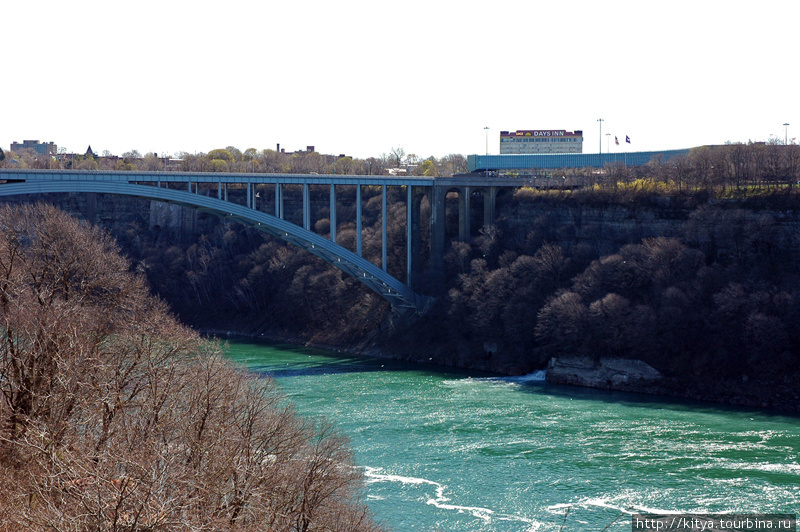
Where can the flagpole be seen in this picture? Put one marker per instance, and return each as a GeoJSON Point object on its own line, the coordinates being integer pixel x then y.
{"type": "Point", "coordinates": [627, 141]}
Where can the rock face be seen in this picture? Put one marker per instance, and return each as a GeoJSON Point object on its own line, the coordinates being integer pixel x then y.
{"type": "Point", "coordinates": [606, 228]}
{"type": "Point", "coordinates": [605, 373]}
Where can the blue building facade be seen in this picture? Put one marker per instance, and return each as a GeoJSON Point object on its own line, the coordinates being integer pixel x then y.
{"type": "Point", "coordinates": [554, 161]}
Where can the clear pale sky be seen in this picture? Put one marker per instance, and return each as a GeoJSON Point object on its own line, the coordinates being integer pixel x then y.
{"type": "Point", "coordinates": [362, 77]}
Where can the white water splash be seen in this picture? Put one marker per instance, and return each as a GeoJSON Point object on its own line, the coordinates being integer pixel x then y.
{"type": "Point", "coordinates": [374, 474]}
{"type": "Point", "coordinates": [536, 376]}
{"type": "Point", "coordinates": [613, 502]}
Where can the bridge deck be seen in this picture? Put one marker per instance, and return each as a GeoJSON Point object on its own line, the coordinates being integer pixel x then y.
{"type": "Point", "coordinates": [472, 180]}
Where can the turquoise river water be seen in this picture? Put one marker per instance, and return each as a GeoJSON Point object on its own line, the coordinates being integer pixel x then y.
{"type": "Point", "coordinates": [451, 451]}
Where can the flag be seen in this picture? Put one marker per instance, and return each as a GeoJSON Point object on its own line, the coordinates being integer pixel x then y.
{"type": "Point", "coordinates": [616, 141]}
{"type": "Point", "coordinates": [627, 139]}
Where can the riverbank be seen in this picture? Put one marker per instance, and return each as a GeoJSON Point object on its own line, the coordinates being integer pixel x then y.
{"type": "Point", "coordinates": [639, 377]}
{"type": "Point", "coordinates": [613, 374]}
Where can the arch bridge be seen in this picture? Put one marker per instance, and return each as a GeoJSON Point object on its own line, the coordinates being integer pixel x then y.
{"type": "Point", "coordinates": [221, 194]}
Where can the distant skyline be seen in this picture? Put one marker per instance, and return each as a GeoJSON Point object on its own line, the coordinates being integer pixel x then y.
{"type": "Point", "coordinates": [360, 78]}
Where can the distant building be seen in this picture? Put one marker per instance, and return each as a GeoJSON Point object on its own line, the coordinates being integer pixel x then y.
{"type": "Point", "coordinates": [309, 149]}
{"type": "Point", "coordinates": [541, 141]}
{"type": "Point", "coordinates": [534, 163]}
{"type": "Point", "coordinates": [42, 148]}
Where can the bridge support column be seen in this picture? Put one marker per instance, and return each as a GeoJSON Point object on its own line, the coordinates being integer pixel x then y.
{"type": "Point", "coordinates": [358, 220]}
{"type": "Point", "coordinates": [306, 208]}
{"type": "Point", "coordinates": [219, 191]}
{"type": "Point", "coordinates": [249, 195]}
{"type": "Point", "coordinates": [489, 206]}
{"type": "Point", "coordinates": [333, 213]}
{"type": "Point", "coordinates": [409, 235]}
{"type": "Point", "coordinates": [438, 226]}
{"type": "Point", "coordinates": [464, 200]}
{"type": "Point", "coordinates": [278, 201]}
{"type": "Point", "coordinates": [383, 227]}
{"type": "Point", "coordinates": [415, 231]}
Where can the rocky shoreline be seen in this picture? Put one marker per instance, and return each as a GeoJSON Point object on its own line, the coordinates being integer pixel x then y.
{"type": "Point", "coordinates": [637, 376]}
{"type": "Point", "coordinates": [625, 375]}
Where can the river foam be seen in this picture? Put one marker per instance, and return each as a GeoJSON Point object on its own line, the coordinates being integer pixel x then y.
{"type": "Point", "coordinates": [536, 376]}
{"type": "Point", "coordinates": [487, 515]}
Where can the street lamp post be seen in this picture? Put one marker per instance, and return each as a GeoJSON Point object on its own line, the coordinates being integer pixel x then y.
{"type": "Point", "coordinates": [786, 134]}
{"type": "Point", "coordinates": [600, 162]}
{"type": "Point", "coordinates": [486, 129]}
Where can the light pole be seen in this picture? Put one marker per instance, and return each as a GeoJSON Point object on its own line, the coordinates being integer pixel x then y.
{"type": "Point", "coordinates": [486, 129]}
{"type": "Point", "coordinates": [600, 161]}
{"type": "Point", "coordinates": [786, 134]}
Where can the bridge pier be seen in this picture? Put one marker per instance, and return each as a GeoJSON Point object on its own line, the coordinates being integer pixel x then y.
{"type": "Point", "coordinates": [489, 195]}
{"type": "Point", "coordinates": [358, 220]}
{"type": "Point", "coordinates": [438, 234]}
{"type": "Point", "coordinates": [464, 200]}
{"type": "Point", "coordinates": [383, 227]}
{"type": "Point", "coordinates": [414, 228]}
{"type": "Point", "coordinates": [489, 205]}
{"type": "Point", "coordinates": [409, 236]}
{"type": "Point", "coordinates": [332, 216]}
{"type": "Point", "coordinates": [306, 208]}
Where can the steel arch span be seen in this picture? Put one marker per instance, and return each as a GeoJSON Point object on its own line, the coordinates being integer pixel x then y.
{"type": "Point", "coordinates": [401, 297]}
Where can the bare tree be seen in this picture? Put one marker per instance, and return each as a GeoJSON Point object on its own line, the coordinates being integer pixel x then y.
{"type": "Point", "coordinates": [397, 155]}
{"type": "Point", "coordinates": [113, 416]}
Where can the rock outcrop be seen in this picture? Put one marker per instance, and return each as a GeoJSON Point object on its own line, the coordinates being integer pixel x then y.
{"type": "Point", "coordinates": [604, 373]}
